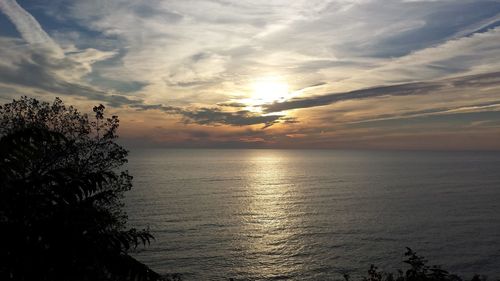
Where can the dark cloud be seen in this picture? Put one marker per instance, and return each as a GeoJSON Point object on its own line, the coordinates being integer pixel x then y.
{"type": "Point", "coordinates": [200, 56]}
{"type": "Point", "coordinates": [97, 79]}
{"type": "Point", "coordinates": [307, 87]}
{"type": "Point", "coordinates": [394, 90]}
{"type": "Point", "coordinates": [216, 116]}
{"type": "Point", "coordinates": [485, 28]}
{"type": "Point", "coordinates": [481, 80]}
{"type": "Point", "coordinates": [407, 89]}
{"type": "Point", "coordinates": [446, 120]}
{"type": "Point", "coordinates": [425, 113]}
{"type": "Point", "coordinates": [164, 108]}
{"type": "Point", "coordinates": [289, 120]}
{"type": "Point", "coordinates": [191, 84]}
{"type": "Point", "coordinates": [232, 104]}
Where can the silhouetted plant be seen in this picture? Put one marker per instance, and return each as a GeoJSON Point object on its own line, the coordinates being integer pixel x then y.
{"type": "Point", "coordinates": [61, 184]}
{"type": "Point", "coordinates": [373, 274]}
{"type": "Point", "coordinates": [418, 271]}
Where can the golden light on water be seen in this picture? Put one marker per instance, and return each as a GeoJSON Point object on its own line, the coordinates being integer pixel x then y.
{"type": "Point", "coordinates": [274, 214]}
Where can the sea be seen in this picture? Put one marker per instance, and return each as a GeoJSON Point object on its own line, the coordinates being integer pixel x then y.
{"type": "Point", "coordinates": [264, 214]}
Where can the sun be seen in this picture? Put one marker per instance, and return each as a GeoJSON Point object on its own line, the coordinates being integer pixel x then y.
{"type": "Point", "coordinates": [269, 89]}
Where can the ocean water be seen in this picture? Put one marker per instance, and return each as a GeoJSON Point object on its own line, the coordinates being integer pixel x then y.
{"type": "Point", "coordinates": [314, 214]}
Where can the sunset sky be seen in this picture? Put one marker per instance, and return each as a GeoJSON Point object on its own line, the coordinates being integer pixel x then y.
{"type": "Point", "coordinates": [265, 73]}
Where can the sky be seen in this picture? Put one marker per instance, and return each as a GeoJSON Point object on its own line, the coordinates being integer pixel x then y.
{"type": "Point", "coordinates": [346, 74]}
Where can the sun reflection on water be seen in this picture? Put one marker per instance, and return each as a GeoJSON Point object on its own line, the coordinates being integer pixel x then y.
{"type": "Point", "coordinates": [271, 218]}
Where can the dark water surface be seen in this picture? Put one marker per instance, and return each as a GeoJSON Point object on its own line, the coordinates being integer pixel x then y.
{"type": "Point", "coordinates": [314, 214]}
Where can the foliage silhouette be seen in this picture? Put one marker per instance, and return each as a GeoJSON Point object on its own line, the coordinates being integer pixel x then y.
{"type": "Point", "coordinates": [418, 271]}
{"type": "Point", "coordinates": [61, 184]}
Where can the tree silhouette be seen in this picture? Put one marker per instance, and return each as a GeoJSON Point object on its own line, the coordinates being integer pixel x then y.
{"type": "Point", "coordinates": [61, 184]}
{"type": "Point", "coordinates": [418, 270]}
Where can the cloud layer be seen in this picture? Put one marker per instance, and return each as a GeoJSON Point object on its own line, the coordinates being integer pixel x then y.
{"type": "Point", "coordinates": [190, 65]}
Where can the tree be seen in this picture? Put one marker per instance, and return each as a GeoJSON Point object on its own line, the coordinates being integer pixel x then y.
{"type": "Point", "coordinates": [61, 184]}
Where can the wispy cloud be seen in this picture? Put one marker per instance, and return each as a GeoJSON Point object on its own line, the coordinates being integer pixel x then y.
{"type": "Point", "coordinates": [191, 64]}
{"type": "Point", "coordinates": [474, 108]}
{"type": "Point", "coordinates": [28, 27]}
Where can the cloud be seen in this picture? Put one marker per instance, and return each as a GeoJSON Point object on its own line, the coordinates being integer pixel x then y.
{"type": "Point", "coordinates": [180, 49]}
{"type": "Point", "coordinates": [28, 27]}
{"type": "Point", "coordinates": [460, 56]}
{"type": "Point", "coordinates": [200, 68]}
{"type": "Point", "coordinates": [451, 110]}
{"type": "Point", "coordinates": [407, 89]}
{"type": "Point", "coordinates": [38, 71]}
{"type": "Point", "coordinates": [34, 69]}
{"type": "Point", "coordinates": [232, 104]}
{"type": "Point", "coordinates": [42, 65]}
{"type": "Point", "coordinates": [435, 26]}
{"type": "Point", "coordinates": [208, 116]}
{"type": "Point", "coordinates": [192, 63]}
{"type": "Point", "coordinates": [216, 116]}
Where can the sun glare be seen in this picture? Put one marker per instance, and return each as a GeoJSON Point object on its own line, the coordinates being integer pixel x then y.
{"type": "Point", "coordinates": [269, 89]}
